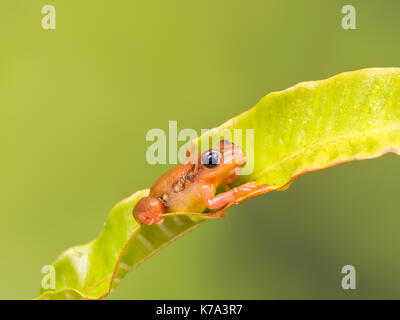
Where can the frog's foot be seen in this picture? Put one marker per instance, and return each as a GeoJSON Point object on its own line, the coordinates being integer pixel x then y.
{"type": "Point", "coordinates": [148, 211]}
{"type": "Point", "coordinates": [153, 219]}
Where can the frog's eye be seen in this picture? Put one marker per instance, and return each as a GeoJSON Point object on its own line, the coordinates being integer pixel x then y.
{"type": "Point", "coordinates": [211, 158]}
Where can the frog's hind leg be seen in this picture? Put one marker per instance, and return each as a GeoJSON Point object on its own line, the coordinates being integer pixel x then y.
{"type": "Point", "coordinates": [256, 190]}
{"type": "Point", "coordinates": [233, 196]}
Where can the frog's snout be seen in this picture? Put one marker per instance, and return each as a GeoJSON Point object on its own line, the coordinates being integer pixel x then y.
{"type": "Point", "coordinates": [233, 154]}
{"type": "Point", "coordinates": [238, 155]}
{"type": "Point", "coordinates": [241, 160]}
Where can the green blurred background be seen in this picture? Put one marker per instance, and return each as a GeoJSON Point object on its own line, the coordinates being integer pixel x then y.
{"type": "Point", "coordinates": [75, 106]}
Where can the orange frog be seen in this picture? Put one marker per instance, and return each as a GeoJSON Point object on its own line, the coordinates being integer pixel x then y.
{"type": "Point", "coordinates": [190, 187]}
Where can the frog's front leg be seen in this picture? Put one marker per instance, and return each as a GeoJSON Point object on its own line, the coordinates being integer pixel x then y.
{"type": "Point", "coordinates": [222, 201]}
{"type": "Point", "coordinates": [149, 210]}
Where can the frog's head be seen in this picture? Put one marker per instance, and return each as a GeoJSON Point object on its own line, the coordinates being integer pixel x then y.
{"type": "Point", "coordinates": [222, 162]}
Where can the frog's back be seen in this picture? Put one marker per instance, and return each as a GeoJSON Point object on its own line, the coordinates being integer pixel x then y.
{"type": "Point", "coordinates": [166, 183]}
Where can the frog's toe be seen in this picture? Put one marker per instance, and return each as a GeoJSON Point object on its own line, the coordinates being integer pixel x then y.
{"type": "Point", "coordinates": [154, 219]}
{"type": "Point", "coordinates": [159, 221]}
{"type": "Point", "coordinates": [149, 221]}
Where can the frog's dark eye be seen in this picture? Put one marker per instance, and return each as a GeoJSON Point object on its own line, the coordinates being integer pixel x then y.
{"type": "Point", "coordinates": [211, 158]}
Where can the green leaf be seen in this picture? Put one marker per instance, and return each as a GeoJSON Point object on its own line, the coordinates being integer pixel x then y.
{"type": "Point", "coordinates": [308, 127]}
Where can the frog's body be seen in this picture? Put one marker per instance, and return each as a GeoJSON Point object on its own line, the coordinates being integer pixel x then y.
{"type": "Point", "coordinates": [179, 189]}
{"type": "Point", "coordinates": [191, 186]}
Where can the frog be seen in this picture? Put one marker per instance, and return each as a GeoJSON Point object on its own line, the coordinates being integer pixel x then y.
{"type": "Point", "coordinates": [191, 187]}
